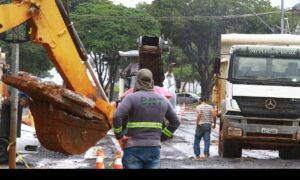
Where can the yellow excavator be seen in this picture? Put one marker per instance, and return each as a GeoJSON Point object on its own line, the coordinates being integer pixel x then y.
{"type": "Point", "coordinates": [71, 119]}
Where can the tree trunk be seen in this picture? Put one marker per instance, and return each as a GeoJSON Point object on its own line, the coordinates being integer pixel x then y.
{"type": "Point", "coordinates": [183, 87]}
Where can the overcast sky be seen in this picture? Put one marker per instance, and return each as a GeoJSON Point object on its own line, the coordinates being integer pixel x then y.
{"type": "Point", "coordinates": [132, 3]}
{"type": "Point", "coordinates": [287, 3]}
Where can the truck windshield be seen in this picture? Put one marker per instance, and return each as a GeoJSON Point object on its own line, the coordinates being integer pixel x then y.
{"type": "Point", "coordinates": [266, 69]}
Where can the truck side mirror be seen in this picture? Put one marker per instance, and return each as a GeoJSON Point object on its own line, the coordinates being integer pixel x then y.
{"type": "Point", "coordinates": [217, 66]}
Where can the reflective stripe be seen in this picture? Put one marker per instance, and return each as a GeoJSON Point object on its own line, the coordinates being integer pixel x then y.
{"type": "Point", "coordinates": [167, 132]}
{"type": "Point", "coordinates": [117, 130]}
{"type": "Point", "coordinates": [144, 125]}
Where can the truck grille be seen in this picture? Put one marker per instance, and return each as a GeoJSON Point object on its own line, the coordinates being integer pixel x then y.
{"type": "Point", "coordinates": [284, 136]}
{"type": "Point", "coordinates": [257, 106]}
{"type": "Point", "coordinates": [270, 122]}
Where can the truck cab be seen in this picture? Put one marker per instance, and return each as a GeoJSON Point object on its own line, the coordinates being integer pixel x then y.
{"type": "Point", "coordinates": [261, 105]}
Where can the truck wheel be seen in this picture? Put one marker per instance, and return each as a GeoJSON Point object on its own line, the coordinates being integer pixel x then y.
{"type": "Point", "coordinates": [3, 151]}
{"type": "Point", "coordinates": [231, 149]}
{"type": "Point", "coordinates": [292, 153]}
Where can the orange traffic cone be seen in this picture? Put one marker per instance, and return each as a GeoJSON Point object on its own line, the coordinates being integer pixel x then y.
{"type": "Point", "coordinates": [99, 160]}
{"type": "Point", "coordinates": [182, 110]}
{"type": "Point", "coordinates": [118, 160]}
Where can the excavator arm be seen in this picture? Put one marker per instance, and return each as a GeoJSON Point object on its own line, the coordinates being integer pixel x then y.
{"type": "Point", "coordinates": [71, 119]}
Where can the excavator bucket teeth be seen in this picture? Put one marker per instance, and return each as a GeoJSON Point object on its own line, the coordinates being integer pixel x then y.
{"type": "Point", "coordinates": [65, 121]}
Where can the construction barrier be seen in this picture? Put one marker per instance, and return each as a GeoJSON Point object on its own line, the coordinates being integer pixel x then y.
{"type": "Point", "coordinates": [99, 159]}
{"type": "Point", "coordinates": [182, 111]}
{"type": "Point", "coordinates": [118, 160]}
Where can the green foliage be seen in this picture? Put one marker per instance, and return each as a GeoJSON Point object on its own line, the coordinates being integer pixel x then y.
{"type": "Point", "coordinates": [183, 73]}
{"type": "Point", "coordinates": [103, 28]}
{"type": "Point", "coordinates": [33, 58]}
{"type": "Point", "coordinates": [191, 27]}
{"type": "Point", "coordinates": [267, 24]}
{"type": "Point", "coordinates": [74, 3]}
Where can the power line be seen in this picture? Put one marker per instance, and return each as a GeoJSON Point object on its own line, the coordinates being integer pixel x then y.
{"type": "Point", "coordinates": [266, 24]}
{"type": "Point", "coordinates": [98, 17]}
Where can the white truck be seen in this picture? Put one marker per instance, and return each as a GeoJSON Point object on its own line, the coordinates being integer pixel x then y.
{"type": "Point", "coordinates": [258, 94]}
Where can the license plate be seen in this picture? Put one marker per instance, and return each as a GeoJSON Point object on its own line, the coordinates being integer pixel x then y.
{"type": "Point", "coordinates": [269, 131]}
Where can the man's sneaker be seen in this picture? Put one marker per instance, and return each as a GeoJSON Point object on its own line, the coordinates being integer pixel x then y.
{"type": "Point", "coordinates": [206, 155]}
{"type": "Point", "coordinates": [197, 158]}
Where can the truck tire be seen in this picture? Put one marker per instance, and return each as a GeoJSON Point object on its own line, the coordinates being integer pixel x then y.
{"type": "Point", "coordinates": [230, 149]}
{"type": "Point", "coordinates": [3, 151]}
{"type": "Point", "coordinates": [227, 148]}
{"type": "Point", "coordinates": [292, 153]}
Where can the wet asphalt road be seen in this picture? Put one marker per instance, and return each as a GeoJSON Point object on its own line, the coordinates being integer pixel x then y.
{"type": "Point", "coordinates": [175, 154]}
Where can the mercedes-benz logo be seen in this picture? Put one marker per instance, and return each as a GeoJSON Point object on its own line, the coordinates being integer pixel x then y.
{"type": "Point", "coordinates": [270, 104]}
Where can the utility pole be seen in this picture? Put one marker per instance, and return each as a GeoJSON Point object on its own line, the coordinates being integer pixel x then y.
{"type": "Point", "coordinates": [282, 16]}
{"type": "Point", "coordinates": [14, 108]}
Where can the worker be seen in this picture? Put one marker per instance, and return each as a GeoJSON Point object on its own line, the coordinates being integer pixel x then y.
{"type": "Point", "coordinates": [205, 118]}
{"type": "Point", "coordinates": [145, 111]}
{"type": "Point", "coordinates": [130, 71]}
{"type": "Point", "coordinates": [28, 119]}
{"type": "Point", "coordinates": [170, 84]}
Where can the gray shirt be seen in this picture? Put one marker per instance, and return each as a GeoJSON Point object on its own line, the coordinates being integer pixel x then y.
{"type": "Point", "coordinates": [146, 111]}
{"type": "Point", "coordinates": [206, 111]}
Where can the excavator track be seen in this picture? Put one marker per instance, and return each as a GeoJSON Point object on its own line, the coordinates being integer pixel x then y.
{"type": "Point", "coordinates": [65, 121]}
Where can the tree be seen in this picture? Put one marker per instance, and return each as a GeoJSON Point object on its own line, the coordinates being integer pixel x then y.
{"type": "Point", "coordinates": [33, 58]}
{"type": "Point", "coordinates": [74, 3]}
{"type": "Point", "coordinates": [183, 72]}
{"type": "Point", "coordinates": [196, 27]}
{"type": "Point", "coordinates": [106, 28]}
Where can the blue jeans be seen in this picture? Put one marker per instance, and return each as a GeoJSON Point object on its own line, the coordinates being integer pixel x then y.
{"type": "Point", "coordinates": [141, 158]}
{"type": "Point", "coordinates": [202, 131]}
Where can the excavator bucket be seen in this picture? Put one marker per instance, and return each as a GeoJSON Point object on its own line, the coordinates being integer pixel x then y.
{"type": "Point", "coordinates": [64, 120]}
